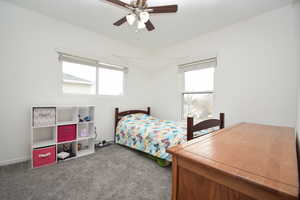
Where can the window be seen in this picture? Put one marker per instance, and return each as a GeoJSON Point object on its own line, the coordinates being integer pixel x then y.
{"type": "Point", "coordinates": [199, 80]}
{"type": "Point", "coordinates": [110, 82]}
{"type": "Point", "coordinates": [197, 98]}
{"type": "Point", "coordinates": [79, 79]}
{"type": "Point", "coordinates": [85, 76]}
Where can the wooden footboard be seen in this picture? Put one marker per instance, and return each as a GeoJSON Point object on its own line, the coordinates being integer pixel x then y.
{"type": "Point", "coordinates": [191, 128]}
{"type": "Point", "coordinates": [210, 123]}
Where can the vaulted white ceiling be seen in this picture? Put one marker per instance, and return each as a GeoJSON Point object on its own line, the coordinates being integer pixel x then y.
{"type": "Point", "coordinates": [194, 17]}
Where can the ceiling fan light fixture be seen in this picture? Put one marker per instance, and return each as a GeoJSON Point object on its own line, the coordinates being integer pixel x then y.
{"type": "Point", "coordinates": [131, 18]}
{"type": "Point", "coordinates": [141, 25]}
{"type": "Point", "coordinates": [144, 16]}
{"type": "Point", "coordinates": [140, 11]}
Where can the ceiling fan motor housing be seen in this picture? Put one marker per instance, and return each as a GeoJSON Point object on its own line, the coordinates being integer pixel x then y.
{"type": "Point", "coordinates": [139, 4]}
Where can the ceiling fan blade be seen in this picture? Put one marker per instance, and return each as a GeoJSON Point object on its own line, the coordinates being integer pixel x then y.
{"type": "Point", "coordinates": [119, 3]}
{"type": "Point", "coordinates": [149, 26]}
{"type": "Point", "coordinates": [120, 22]}
{"type": "Point", "coordinates": [163, 9]}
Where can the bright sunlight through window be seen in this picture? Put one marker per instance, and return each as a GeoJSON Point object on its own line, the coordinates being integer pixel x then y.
{"type": "Point", "coordinates": [79, 79]}
{"type": "Point", "coordinates": [198, 94]}
{"type": "Point", "coordinates": [199, 80]}
{"type": "Point", "coordinates": [110, 82]}
{"type": "Point", "coordinates": [82, 79]}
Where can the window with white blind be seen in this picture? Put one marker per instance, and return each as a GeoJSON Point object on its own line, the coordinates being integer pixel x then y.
{"type": "Point", "coordinates": [110, 81]}
{"type": "Point", "coordinates": [88, 76]}
{"type": "Point", "coordinates": [197, 97]}
{"type": "Point", "coordinates": [78, 78]}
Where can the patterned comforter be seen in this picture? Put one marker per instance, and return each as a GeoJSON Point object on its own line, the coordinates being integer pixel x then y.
{"type": "Point", "coordinates": [151, 135]}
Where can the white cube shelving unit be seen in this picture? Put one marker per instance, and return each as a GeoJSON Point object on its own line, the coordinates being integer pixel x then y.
{"type": "Point", "coordinates": [45, 126]}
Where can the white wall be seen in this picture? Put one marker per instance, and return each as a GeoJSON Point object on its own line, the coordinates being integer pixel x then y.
{"type": "Point", "coordinates": [298, 123]}
{"type": "Point", "coordinates": [30, 74]}
{"type": "Point", "coordinates": [297, 16]}
{"type": "Point", "coordinates": [257, 75]}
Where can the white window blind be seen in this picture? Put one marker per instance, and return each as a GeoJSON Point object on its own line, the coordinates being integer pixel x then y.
{"type": "Point", "coordinates": [110, 82]}
{"type": "Point", "coordinates": [201, 64]}
{"type": "Point", "coordinates": [90, 62]}
{"type": "Point", "coordinates": [200, 80]}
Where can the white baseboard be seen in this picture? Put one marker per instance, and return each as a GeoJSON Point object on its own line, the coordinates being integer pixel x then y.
{"type": "Point", "coordinates": [13, 161]}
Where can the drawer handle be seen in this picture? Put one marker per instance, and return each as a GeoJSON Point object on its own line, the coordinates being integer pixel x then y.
{"type": "Point", "coordinates": [44, 155]}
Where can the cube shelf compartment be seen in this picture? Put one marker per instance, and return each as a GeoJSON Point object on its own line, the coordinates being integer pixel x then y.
{"type": "Point", "coordinates": [43, 156]}
{"type": "Point", "coordinates": [44, 136]}
{"type": "Point", "coordinates": [43, 116]}
{"type": "Point", "coordinates": [55, 127]}
{"type": "Point", "coordinates": [66, 115]}
{"type": "Point", "coordinates": [85, 147]}
{"type": "Point", "coordinates": [85, 130]}
{"type": "Point", "coordinates": [86, 111]}
{"type": "Point", "coordinates": [66, 133]}
{"type": "Point", "coordinates": [71, 149]}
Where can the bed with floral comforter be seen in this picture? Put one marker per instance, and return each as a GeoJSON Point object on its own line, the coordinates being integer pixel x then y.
{"type": "Point", "coordinates": [151, 135]}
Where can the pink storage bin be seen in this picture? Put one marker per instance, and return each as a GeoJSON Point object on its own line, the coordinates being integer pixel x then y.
{"type": "Point", "coordinates": [66, 133]}
{"type": "Point", "coordinates": [44, 156]}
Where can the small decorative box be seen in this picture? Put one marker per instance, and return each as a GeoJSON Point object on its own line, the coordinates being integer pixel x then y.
{"type": "Point", "coordinates": [44, 117]}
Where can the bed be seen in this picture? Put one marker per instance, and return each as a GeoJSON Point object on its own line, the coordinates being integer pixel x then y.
{"type": "Point", "coordinates": [139, 130]}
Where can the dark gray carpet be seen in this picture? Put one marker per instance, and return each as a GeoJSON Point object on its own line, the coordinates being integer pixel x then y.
{"type": "Point", "coordinates": [113, 172]}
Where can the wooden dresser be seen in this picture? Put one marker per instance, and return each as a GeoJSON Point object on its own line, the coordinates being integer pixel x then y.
{"type": "Point", "coordinates": [244, 162]}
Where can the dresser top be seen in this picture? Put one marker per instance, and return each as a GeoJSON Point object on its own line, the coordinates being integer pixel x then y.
{"type": "Point", "coordinates": [260, 154]}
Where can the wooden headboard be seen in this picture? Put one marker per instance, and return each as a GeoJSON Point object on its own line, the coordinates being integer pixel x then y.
{"type": "Point", "coordinates": [119, 115]}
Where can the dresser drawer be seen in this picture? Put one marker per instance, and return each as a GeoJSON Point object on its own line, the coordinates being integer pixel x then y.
{"type": "Point", "coordinates": [44, 156]}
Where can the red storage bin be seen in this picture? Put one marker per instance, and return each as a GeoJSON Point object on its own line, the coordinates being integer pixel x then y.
{"type": "Point", "coordinates": [44, 156]}
{"type": "Point", "coordinates": [66, 133]}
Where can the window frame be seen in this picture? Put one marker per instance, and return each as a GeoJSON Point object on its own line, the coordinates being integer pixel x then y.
{"type": "Point", "coordinates": [124, 70]}
{"type": "Point", "coordinates": [212, 92]}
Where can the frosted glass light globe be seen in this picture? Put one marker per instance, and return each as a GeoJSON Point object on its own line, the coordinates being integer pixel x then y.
{"type": "Point", "coordinates": [144, 17]}
{"type": "Point", "coordinates": [141, 25]}
{"type": "Point", "coordinates": [131, 18]}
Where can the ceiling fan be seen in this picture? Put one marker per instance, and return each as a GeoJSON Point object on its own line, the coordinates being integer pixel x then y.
{"type": "Point", "coordinates": [140, 13]}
